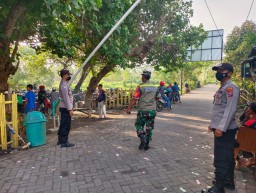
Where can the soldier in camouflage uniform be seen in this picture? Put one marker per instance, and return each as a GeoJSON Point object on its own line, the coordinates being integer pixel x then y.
{"type": "Point", "coordinates": [146, 94]}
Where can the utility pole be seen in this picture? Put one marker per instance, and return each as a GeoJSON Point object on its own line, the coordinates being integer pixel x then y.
{"type": "Point", "coordinates": [181, 80]}
{"type": "Point", "coordinates": [105, 39]}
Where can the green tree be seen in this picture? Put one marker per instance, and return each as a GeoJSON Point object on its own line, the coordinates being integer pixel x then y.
{"type": "Point", "coordinates": [22, 20]}
{"type": "Point", "coordinates": [33, 69]}
{"type": "Point", "coordinates": [238, 47]}
{"type": "Point", "coordinates": [157, 32]}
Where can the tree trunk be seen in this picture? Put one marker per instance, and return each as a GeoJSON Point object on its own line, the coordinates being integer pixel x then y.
{"type": "Point", "coordinates": [94, 83]}
{"type": "Point", "coordinates": [85, 72]}
{"type": "Point", "coordinates": [3, 81]}
{"type": "Point", "coordinates": [16, 13]}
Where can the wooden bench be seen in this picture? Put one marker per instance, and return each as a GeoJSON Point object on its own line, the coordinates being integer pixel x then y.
{"type": "Point", "coordinates": [246, 137]}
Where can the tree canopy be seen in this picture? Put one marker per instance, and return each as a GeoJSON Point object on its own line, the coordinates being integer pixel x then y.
{"type": "Point", "coordinates": [157, 33]}
{"type": "Point", "coordinates": [22, 20]}
{"type": "Point", "coordinates": [238, 47]}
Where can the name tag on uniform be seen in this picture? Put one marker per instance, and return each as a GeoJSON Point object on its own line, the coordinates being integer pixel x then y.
{"type": "Point", "coordinates": [150, 89]}
{"type": "Point", "coordinates": [217, 98]}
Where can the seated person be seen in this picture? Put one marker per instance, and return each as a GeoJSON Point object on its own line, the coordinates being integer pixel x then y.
{"type": "Point", "coordinates": [249, 120]}
{"type": "Point", "coordinates": [161, 90]}
{"type": "Point", "coordinates": [251, 116]}
{"type": "Point", "coordinates": [168, 93]}
{"type": "Point", "coordinates": [176, 89]}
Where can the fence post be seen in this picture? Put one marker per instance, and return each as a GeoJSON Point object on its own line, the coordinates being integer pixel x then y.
{"type": "Point", "coordinates": [122, 98]}
{"type": "Point", "coordinates": [2, 123]}
{"type": "Point", "coordinates": [15, 120]}
{"type": "Point", "coordinates": [118, 98]}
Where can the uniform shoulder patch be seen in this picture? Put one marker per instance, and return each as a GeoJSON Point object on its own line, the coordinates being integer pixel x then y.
{"type": "Point", "coordinates": [230, 91]}
{"type": "Point", "coordinates": [136, 94]}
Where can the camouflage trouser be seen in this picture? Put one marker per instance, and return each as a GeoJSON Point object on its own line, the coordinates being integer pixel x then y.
{"type": "Point", "coordinates": [148, 118]}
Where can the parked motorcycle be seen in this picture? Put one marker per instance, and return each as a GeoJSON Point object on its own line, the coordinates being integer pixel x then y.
{"type": "Point", "coordinates": [198, 85]}
{"type": "Point", "coordinates": [174, 98]}
{"type": "Point", "coordinates": [160, 104]}
{"type": "Point", "coordinates": [46, 107]}
{"type": "Point", "coordinates": [187, 90]}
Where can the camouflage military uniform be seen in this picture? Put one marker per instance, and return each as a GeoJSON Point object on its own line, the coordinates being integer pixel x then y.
{"type": "Point", "coordinates": [145, 118]}
{"type": "Point", "coordinates": [146, 94]}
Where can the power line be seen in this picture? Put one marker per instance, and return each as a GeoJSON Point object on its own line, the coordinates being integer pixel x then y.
{"type": "Point", "coordinates": [250, 10]}
{"type": "Point", "coordinates": [212, 18]}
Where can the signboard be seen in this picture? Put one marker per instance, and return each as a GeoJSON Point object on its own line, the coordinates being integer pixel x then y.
{"type": "Point", "coordinates": [210, 50]}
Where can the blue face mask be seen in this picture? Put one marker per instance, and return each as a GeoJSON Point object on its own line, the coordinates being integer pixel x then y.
{"type": "Point", "coordinates": [220, 76]}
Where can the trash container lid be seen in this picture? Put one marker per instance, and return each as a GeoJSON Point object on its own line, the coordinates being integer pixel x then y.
{"type": "Point", "coordinates": [34, 117]}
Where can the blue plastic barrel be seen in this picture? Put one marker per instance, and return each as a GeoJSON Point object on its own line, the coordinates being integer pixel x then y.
{"type": "Point", "coordinates": [35, 123]}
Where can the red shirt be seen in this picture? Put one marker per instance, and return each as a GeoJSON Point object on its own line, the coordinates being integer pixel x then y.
{"type": "Point", "coordinates": [251, 123]}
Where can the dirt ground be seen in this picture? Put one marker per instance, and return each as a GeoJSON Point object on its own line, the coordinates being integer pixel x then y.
{"type": "Point", "coordinates": [80, 119]}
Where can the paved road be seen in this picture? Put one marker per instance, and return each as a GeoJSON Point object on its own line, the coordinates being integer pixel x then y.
{"type": "Point", "coordinates": [106, 158]}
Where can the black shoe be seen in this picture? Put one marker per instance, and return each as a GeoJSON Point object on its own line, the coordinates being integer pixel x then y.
{"type": "Point", "coordinates": [61, 140]}
{"type": "Point", "coordinates": [67, 144]}
{"type": "Point", "coordinates": [229, 184]}
{"type": "Point", "coordinates": [142, 141]}
{"type": "Point", "coordinates": [214, 190]}
{"type": "Point", "coordinates": [146, 146]}
{"type": "Point", "coordinates": [59, 143]}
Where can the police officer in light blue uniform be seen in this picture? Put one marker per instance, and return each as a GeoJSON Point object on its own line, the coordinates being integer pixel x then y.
{"type": "Point", "coordinates": [224, 127]}
{"type": "Point", "coordinates": [65, 108]}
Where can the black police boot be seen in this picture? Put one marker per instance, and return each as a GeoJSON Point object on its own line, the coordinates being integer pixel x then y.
{"type": "Point", "coordinates": [146, 146]}
{"type": "Point", "coordinates": [60, 140]}
{"type": "Point", "coordinates": [66, 143]}
{"type": "Point", "coordinates": [229, 183]}
{"type": "Point", "coordinates": [214, 190]}
{"type": "Point", "coordinates": [142, 141]}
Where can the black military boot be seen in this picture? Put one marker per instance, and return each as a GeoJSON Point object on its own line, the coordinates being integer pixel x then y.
{"type": "Point", "coordinates": [214, 190]}
{"type": "Point", "coordinates": [229, 183]}
{"type": "Point", "coordinates": [146, 146]}
{"type": "Point", "coordinates": [142, 141]}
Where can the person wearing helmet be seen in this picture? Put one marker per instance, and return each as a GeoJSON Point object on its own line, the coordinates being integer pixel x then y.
{"type": "Point", "coordinates": [41, 97]}
{"type": "Point", "coordinates": [146, 95]}
{"type": "Point", "coordinates": [65, 108]}
{"type": "Point", "coordinates": [54, 96]}
{"type": "Point", "coordinates": [187, 90]}
{"type": "Point", "coordinates": [176, 92]}
{"type": "Point", "coordinates": [161, 90]}
{"type": "Point", "coordinates": [224, 127]}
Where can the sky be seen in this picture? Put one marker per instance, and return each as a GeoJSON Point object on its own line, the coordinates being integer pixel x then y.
{"type": "Point", "coordinates": [226, 13]}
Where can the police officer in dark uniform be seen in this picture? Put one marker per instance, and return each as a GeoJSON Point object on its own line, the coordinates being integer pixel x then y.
{"type": "Point", "coordinates": [65, 108]}
{"type": "Point", "coordinates": [224, 127]}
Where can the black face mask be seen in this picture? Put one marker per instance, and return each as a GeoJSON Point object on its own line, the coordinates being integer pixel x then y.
{"type": "Point", "coordinates": [220, 76]}
{"type": "Point", "coordinates": [68, 78]}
